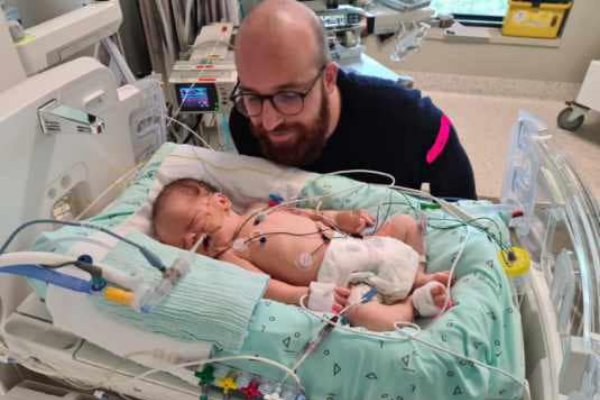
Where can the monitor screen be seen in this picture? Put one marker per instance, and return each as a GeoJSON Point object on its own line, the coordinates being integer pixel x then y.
{"type": "Point", "coordinates": [197, 98]}
{"type": "Point", "coordinates": [194, 97]}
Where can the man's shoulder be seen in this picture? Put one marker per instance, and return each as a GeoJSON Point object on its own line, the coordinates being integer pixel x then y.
{"type": "Point", "coordinates": [373, 88]}
{"type": "Point", "coordinates": [385, 103]}
{"type": "Point", "coordinates": [400, 116]}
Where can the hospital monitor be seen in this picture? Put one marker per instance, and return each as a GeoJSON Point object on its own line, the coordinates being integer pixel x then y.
{"type": "Point", "coordinates": [205, 80]}
{"type": "Point", "coordinates": [59, 39]}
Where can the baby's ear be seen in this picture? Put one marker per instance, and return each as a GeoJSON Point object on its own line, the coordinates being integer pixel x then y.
{"type": "Point", "coordinates": [223, 200]}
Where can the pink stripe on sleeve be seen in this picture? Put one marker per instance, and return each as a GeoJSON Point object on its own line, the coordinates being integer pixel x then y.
{"type": "Point", "coordinates": [440, 140]}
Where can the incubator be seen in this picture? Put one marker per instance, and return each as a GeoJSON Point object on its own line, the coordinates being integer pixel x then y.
{"type": "Point", "coordinates": [553, 217]}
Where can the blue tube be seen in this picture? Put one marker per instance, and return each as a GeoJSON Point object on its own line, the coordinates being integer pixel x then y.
{"type": "Point", "coordinates": [152, 259]}
{"type": "Point", "coordinates": [49, 276]}
{"type": "Point", "coordinates": [369, 295]}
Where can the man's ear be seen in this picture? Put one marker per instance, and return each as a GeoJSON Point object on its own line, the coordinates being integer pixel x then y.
{"type": "Point", "coordinates": [331, 73]}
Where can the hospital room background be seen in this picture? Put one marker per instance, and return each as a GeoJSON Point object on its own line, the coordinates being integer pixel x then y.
{"type": "Point", "coordinates": [102, 103]}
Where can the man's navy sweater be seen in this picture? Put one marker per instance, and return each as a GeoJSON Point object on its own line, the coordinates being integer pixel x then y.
{"type": "Point", "coordinates": [387, 128]}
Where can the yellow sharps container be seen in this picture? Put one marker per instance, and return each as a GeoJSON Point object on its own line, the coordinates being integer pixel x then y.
{"type": "Point", "coordinates": [534, 18]}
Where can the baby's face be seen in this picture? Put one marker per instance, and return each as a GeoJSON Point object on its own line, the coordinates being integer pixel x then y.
{"type": "Point", "coordinates": [186, 217]}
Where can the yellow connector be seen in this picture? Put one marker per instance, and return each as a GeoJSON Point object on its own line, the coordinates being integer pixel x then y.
{"type": "Point", "coordinates": [515, 261]}
{"type": "Point", "coordinates": [118, 296]}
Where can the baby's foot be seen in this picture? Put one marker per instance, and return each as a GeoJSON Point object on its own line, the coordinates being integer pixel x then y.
{"type": "Point", "coordinates": [429, 300]}
{"type": "Point", "coordinates": [439, 295]}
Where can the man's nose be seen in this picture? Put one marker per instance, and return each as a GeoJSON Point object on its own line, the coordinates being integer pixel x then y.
{"type": "Point", "coordinates": [270, 117]}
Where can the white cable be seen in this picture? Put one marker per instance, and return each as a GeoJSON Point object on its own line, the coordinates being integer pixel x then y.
{"type": "Point", "coordinates": [343, 327]}
{"type": "Point", "coordinates": [120, 180]}
{"type": "Point", "coordinates": [190, 130]}
{"type": "Point", "coordinates": [218, 122]}
{"type": "Point", "coordinates": [269, 210]}
{"type": "Point", "coordinates": [414, 336]}
{"type": "Point", "coordinates": [290, 372]}
{"type": "Point", "coordinates": [358, 186]}
{"type": "Point", "coordinates": [365, 171]}
{"type": "Point", "coordinates": [452, 269]}
{"type": "Point", "coordinates": [52, 371]}
{"type": "Point", "coordinates": [198, 363]}
{"type": "Point", "coordinates": [417, 327]}
{"type": "Point", "coordinates": [296, 200]}
{"type": "Point", "coordinates": [217, 42]}
{"type": "Point", "coordinates": [33, 257]}
{"type": "Point", "coordinates": [112, 275]}
{"type": "Point", "coordinates": [445, 205]}
{"type": "Point", "coordinates": [458, 355]}
{"type": "Point", "coordinates": [202, 128]}
{"type": "Point", "coordinates": [306, 354]}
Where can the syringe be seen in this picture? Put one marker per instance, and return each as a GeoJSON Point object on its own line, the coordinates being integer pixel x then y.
{"type": "Point", "coordinates": [148, 298]}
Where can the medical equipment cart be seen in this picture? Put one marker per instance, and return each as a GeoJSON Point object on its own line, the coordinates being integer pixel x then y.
{"type": "Point", "coordinates": [573, 116]}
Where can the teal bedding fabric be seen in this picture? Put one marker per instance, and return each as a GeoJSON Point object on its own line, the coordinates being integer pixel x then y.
{"type": "Point", "coordinates": [61, 240]}
{"type": "Point", "coordinates": [204, 306]}
{"type": "Point", "coordinates": [484, 325]}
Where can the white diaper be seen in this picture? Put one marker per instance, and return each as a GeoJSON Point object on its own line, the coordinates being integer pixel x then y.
{"type": "Point", "coordinates": [383, 262]}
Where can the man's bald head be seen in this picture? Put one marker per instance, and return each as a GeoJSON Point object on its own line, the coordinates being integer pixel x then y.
{"type": "Point", "coordinates": [281, 50]}
{"type": "Point", "coordinates": [282, 27]}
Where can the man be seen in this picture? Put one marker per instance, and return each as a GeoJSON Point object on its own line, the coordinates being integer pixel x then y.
{"type": "Point", "coordinates": [296, 107]}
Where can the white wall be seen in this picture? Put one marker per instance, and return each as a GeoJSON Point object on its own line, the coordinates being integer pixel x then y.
{"type": "Point", "coordinates": [567, 63]}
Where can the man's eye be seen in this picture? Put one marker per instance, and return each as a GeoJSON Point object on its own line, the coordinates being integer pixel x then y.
{"type": "Point", "coordinates": [287, 96]}
{"type": "Point", "coordinates": [252, 99]}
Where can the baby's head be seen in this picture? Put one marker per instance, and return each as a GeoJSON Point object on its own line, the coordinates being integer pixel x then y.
{"type": "Point", "coordinates": [188, 208]}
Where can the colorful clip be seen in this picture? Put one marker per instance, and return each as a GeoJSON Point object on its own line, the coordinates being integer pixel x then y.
{"type": "Point", "coordinates": [251, 392]}
{"type": "Point", "coordinates": [207, 375]}
{"type": "Point", "coordinates": [275, 199]}
{"type": "Point", "coordinates": [228, 384]}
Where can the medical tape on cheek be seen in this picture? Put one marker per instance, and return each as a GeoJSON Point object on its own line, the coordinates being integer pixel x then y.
{"type": "Point", "coordinates": [440, 141]}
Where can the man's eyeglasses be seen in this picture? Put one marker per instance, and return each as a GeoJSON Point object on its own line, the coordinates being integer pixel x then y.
{"type": "Point", "coordinates": [287, 102]}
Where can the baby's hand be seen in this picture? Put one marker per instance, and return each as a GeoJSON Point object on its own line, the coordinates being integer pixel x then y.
{"type": "Point", "coordinates": [354, 221]}
{"type": "Point", "coordinates": [340, 295]}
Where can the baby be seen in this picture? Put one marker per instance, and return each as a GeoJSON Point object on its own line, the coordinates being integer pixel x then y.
{"type": "Point", "coordinates": [299, 247]}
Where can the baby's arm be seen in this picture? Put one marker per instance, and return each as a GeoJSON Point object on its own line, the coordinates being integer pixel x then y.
{"type": "Point", "coordinates": [348, 221]}
{"type": "Point", "coordinates": [277, 290]}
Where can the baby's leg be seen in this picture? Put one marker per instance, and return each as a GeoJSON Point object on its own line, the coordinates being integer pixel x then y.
{"type": "Point", "coordinates": [381, 317]}
{"type": "Point", "coordinates": [422, 278]}
{"type": "Point", "coordinates": [406, 229]}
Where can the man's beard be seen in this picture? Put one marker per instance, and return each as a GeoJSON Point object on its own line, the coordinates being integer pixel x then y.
{"type": "Point", "coordinates": [307, 146]}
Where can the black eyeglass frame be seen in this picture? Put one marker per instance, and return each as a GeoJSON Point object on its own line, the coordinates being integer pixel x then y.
{"type": "Point", "coordinates": [237, 98]}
